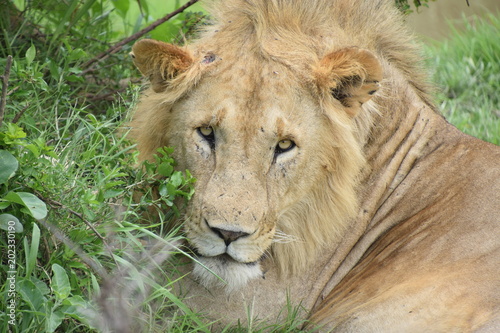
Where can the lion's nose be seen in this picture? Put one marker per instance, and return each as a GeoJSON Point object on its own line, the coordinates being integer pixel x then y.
{"type": "Point", "coordinates": [229, 236]}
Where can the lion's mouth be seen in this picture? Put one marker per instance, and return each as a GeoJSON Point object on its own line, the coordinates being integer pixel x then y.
{"type": "Point", "coordinates": [228, 266]}
{"type": "Point", "coordinates": [225, 272]}
{"type": "Point", "coordinates": [226, 259]}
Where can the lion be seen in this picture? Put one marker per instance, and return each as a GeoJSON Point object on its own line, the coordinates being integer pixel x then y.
{"type": "Point", "coordinates": [326, 176]}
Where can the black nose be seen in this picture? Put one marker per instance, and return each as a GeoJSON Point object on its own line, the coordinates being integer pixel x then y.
{"type": "Point", "coordinates": [229, 236]}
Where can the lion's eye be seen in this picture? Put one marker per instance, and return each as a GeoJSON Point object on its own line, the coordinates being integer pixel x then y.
{"type": "Point", "coordinates": [207, 133]}
{"type": "Point", "coordinates": [284, 146]}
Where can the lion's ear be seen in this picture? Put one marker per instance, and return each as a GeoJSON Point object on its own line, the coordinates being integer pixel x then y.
{"type": "Point", "coordinates": [159, 61]}
{"type": "Point", "coordinates": [351, 75]}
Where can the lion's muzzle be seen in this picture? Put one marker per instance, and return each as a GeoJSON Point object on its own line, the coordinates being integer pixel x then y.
{"type": "Point", "coordinates": [228, 236]}
{"type": "Point", "coordinates": [235, 242]}
{"type": "Point", "coordinates": [231, 256]}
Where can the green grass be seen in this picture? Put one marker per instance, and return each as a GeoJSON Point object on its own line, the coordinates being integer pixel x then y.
{"type": "Point", "coordinates": [467, 71]}
{"type": "Point", "coordinates": [70, 169]}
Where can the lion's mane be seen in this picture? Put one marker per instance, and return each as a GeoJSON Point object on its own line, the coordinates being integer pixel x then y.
{"type": "Point", "coordinates": [297, 34]}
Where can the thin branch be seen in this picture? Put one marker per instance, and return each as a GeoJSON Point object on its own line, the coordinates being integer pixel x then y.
{"type": "Point", "coordinates": [118, 46]}
{"type": "Point", "coordinates": [75, 247]}
{"type": "Point", "coordinates": [80, 216]}
{"type": "Point", "coordinates": [5, 85]}
{"type": "Point", "coordinates": [94, 264]}
{"type": "Point", "coordinates": [20, 113]}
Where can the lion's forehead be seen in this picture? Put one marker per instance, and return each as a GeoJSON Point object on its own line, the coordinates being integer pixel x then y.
{"type": "Point", "coordinates": [249, 102]}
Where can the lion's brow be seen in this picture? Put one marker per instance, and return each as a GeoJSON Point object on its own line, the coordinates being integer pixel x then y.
{"type": "Point", "coordinates": [219, 116]}
{"type": "Point", "coordinates": [280, 127]}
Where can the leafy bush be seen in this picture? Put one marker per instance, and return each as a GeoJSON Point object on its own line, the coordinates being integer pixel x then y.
{"type": "Point", "coordinates": [54, 280]}
{"type": "Point", "coordinates": [45, 184]}
{"type": "Point", "coordinates": [67, 170]}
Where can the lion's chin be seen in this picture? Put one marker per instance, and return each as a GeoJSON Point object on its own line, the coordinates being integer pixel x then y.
{"type": "Point", "coordinates": [224, 272]}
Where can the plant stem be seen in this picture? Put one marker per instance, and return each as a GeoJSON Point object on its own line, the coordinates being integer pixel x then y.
{"type": "Point", "coordinates": [80, 216]}
{"type": "Point", "coordinates": [5, 85]}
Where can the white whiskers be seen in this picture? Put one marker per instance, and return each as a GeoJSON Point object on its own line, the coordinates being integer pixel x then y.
{"type": "Point", "coordinates": [281, 237]}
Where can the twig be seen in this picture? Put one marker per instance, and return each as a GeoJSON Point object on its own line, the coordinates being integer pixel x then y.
{"type": "Point", "coordinates": [80, 216]}
{"type": "Point", "coordinates": [118, 46]}
{"type": "Point", "coordinates": [76, 248]}
{"type": "Point", "coordinates": [5, 85]}
{"type": "Point", "coordinates": [20, 113]}
{"type": "Point", "coordinates": [71, 244]}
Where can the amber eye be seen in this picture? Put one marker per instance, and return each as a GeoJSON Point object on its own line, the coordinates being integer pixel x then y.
{"type": "Point", "coordinates": [206, 131]}
{"type": "Point", "coordinates": [208, 134]}
{"type": "Point", "coordinates": [284, 146]}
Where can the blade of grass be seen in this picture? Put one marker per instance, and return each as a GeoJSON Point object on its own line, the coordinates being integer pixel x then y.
{"type": "Point", "coordinates": [31, 252]}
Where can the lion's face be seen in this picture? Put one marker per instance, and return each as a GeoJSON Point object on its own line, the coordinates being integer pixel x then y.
{"type": "Point", "coordinates": [273, 152]}
{"type": "Point", "coordinates": [255, 151]}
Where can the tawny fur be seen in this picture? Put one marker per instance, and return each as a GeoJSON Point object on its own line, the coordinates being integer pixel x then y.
{"type": "Point", "coordinates": [371, 168]}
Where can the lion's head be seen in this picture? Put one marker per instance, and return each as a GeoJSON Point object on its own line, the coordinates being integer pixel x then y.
{"type": "Point", "coordinates": [273, 138]}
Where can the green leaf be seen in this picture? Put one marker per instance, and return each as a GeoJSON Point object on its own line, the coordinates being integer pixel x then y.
{"type": "Point", "coordinates": [34, 149]}
{"type": "Point", "coordinates": [122, 7]}
{"type": "Point", "coordinates": [112, 193]}
{"type": "Point", "coordinates": [35, 206]}
{"type": "Point", "coordinates": [53, 320]}
{"type": "Point", "coordinates": [75, 264]}
{"type": "Point", "coordinates": [55, 70]}
{"type": "Point", "coordinates": [31, 252]}
{"type": "Point", "coordinates": [44, 289]}
{"type": "Point", "coordinates": [77, 301]}
{"type": "Point", "coordinates": [110, 185]}
{"type": "Point", "coordinates": [13, 134]}
{"type": "Point", "coordinates": [60, 282]}
{"type": "Point", "coordinates": [10, 223]}
{"type": "Point", "coordinates": [95, 285]}
{"type": "Point", "coordinates": [79, 308]}
{"type": "Point", "coordinates": [32, 295]}
{"type": "Point", "coordinates": [171, 190]}
{"type": "Point", "coordinates": [165, 169]}
{"type": "Point", "coordinates": [176, 179]}
{"type": "Point", "coordinates": [8, 166]}
{"type": "Point", "coordinates": [162, 190]}
{"type": "Point", "coordinates": [30, 54]}
{"type": "Point", "coordinates": [76, 54]}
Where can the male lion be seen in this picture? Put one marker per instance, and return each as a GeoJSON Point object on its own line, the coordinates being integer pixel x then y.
{"type": "Point", "coordinates": [325, 175]}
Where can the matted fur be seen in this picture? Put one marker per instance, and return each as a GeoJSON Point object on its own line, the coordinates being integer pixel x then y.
{"type": "Point", "coordinates": [343, 80]}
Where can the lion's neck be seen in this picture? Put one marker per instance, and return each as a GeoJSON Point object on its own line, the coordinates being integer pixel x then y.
{"type": "Point", "coordinates": [402, 133]}
{"type": "Point", "coordinates": [395, 145]}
